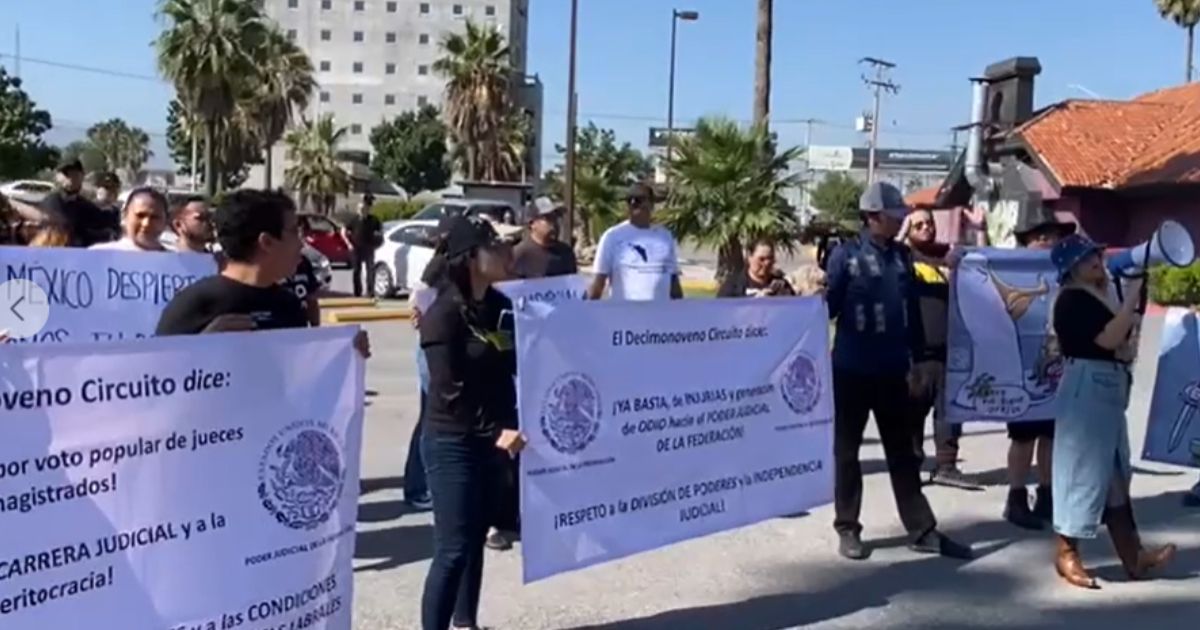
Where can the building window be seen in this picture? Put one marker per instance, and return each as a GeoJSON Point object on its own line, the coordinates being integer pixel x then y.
{"type": "Point", "coordinates": [326, 5]}
{"type": "Point", "coordinates": [490, 10]}
{"type": "Point", "coordinates": [390, 68]}
{"type": "Point", "coordinates": [291, 34]}
{"type": "Point", "coordinates": [358, 67]}
{"type": "Point", "coordinates": [293, 4]}
{"type": "Point", "coordinates": [324, 97]}
{"type": "Point", "coordinates": [326, 35]}
{"type": "Point", "coordinates": [390, 37]}
{"type": "Point", "coordinates": [422, 101]}
{"type": "Point", "coordinates": [359, 5]}
{"type": "Point", "coordinates": [423, 38]}
{"type": "Point", "coordinates": [422, 70]}
{"type": "Point", "coordinates": [458, 9]}
{"type": "Point", "coordinates": [358, 36]}
{"type": "Point", "coordinates": [391, 7]}
{"type": "Point", "coordinates": [356, 99]}
{"type": "Point", "coordinates": [325, 65]}
{"type": "Point", "coordinates": [389, 99]}
{"type": "Point", "coordinates": [356, 129]}
{"type": "Point", "coordinates": [424, 8]}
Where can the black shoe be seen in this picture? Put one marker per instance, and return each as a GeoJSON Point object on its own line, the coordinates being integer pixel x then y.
{"type": "Point", "coordinates": [952, 477]}
{"type": "Point", "coordinates": [935, 542]}
{"type": "Point", "coordinates": [851, 546]}
{"type": "Point", "coordinates": [498, 541]}
{"type": "Point", "coordinates": [1016, 511]}
{"type": "Point", "coordinates": [1043, 507]}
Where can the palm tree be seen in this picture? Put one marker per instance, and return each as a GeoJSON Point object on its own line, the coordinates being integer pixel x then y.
{"type": "Point", "coordinates": [762, 64]}
{"type": "Point", "coordinates": [207, 51]}
{"type": "Point", "coordinates": [1186, 14]}
{"type": "Point", "coordinates": [476, 66]}
{"type": "Point", "coordinates": [727, 190]}
{"type": "Point", "coordinates": [284, 87]}
{"type": "Point", "coordinates": [314, 172]}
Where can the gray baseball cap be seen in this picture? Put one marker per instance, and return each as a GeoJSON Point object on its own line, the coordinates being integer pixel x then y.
{"type": "Point", "coordinates": [543, 206]}
{"type": "Point", "coordinates": [883, 197]}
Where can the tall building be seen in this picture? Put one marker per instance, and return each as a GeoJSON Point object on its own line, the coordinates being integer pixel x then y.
{"type": "Point", "coordinates": [374, 58]}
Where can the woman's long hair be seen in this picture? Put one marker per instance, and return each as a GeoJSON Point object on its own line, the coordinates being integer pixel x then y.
{"type": "Point", "coordinates": [51, 235]}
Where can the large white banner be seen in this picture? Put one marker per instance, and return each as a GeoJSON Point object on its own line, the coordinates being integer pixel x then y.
{"type": "Point", "coordinates": [655, 422]}
{"type": "Point", "coordinates": [552, 290]}
{"type": "Point", "coordinates": [180, 483]}
{"type": "Point", "coordinates": [93, 295]}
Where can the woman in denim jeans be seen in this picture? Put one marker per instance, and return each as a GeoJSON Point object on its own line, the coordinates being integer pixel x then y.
{"type": "Point", "coordinates": [470, 411]}
{"type": "Point", "coordinates": [1092, 470]}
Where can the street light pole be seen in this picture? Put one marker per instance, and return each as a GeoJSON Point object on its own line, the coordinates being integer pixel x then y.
{"type": "Point", "coordinates": [676, 15]}
{"type": "Point", "coordinates": [569, 176]}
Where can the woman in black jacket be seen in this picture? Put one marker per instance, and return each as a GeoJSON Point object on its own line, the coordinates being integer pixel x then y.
{"type": "Point", "coordinates": [471, 410]}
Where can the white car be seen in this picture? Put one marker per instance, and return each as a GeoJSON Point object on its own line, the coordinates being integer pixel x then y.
{"type": "Point", "coordinates": [502, 215]}
{"type": "Point", "coordinates": [27, 190]}
{"type": "Point", "coordinates": [406, 250]}
{"type": "Point", "coordinates": [319, 262]}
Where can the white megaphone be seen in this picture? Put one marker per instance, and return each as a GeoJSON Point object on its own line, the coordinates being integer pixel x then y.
{"type": "Point", "coordinates": [1170, 245]}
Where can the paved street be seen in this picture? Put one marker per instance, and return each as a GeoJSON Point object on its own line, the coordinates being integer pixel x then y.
{"type": "Point", "coordinates": [783, 573]}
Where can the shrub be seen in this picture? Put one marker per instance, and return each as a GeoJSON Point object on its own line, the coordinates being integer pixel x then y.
{"type": "Point", "coordinates": [392, 209]}
{"type": "Point", "coordinates": [1175, 286]}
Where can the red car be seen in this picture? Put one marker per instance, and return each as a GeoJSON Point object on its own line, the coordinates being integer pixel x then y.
{"type": "Point", "coordinates": [325, 235]}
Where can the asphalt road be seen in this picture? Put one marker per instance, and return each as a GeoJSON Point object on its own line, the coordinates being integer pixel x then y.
{"type": "Point", "coordinates": [782, 573]}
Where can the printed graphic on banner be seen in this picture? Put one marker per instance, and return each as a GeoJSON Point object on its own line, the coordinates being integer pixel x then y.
{"type": "Point", "coordinates": [90, 295]}
{"type": "Point", "coordinates": [181, 482]}
{"type": "Point", "coordinates": [1173, 431]}
{"type": "Point", "coordinates": [1003, 361]}
{"type": "Point", "coordinates": [552, 290]}
{"type": "Point", "coordinates": [652, 423]}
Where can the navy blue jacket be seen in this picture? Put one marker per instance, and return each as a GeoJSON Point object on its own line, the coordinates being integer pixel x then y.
{"type": "Point", "coordinates": [872, 294]}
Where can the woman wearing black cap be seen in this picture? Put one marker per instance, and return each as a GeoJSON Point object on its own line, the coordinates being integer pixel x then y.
{"type": "Point", "coordinates": [467, 337]}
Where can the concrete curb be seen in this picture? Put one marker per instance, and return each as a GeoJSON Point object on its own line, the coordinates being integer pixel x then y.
{"type": "Point", "coordinates": [696, 284]}
{"type": "Point", "coordinates": [350, 315]}
{"type": "Point", "coordinates": [345, 302]}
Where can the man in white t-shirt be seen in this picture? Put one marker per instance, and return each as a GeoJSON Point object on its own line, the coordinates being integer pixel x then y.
{"type": "Point", "coordinates": [637, 259]}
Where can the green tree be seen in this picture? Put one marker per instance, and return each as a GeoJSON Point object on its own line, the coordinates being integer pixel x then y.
{"type": "Point", "coordinates": [84, 151]}
{"type": "Point", "coordinates": [603, 172]}
{"type": "Point", "coordinates": [208, 50]}
{"type": "Point", "coordinates": [314, 173]}
{"type": "Point", "coordinates": [284, 87]}
{"type": "Point", "coordinates": [837, 198]}
{"type": "Point", "coordinates": [125, 149]}
{"type": "Point", "coordinates": [476, 67]}
{"type": "Point", "coordinates": [410, 150]}
{"type": "Point", "coordinates": [22, 151]}
{"type": "Point", "coordinates": [237, 149]}
{"type": "Point", "coordinates": [1185, 14]}
{"type": "Point", "coordinates": [727, 189]}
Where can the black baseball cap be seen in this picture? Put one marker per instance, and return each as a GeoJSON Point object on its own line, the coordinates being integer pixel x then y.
{"type": "Point", "coordinates": [67, 166]}
{"type": "Point", "coordinates": [464, 234]}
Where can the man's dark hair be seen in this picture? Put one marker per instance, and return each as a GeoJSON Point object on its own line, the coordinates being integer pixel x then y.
{"type": "Point", "coordinates": [154, 194]}
{"type": "Point", "coordinates": [244, 215]}
{"type": "Point", "coordinates": [183, 202]}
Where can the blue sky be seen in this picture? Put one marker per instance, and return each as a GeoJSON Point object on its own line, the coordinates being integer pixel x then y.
{"type": "Point", "coordinates": [1113, 48]}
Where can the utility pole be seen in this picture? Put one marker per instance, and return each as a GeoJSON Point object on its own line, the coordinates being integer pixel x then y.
{"type": "Point", "coordinates": [17, 56]}
{"type": "Point", "coordinates": [572, 101]}
{"type": "Point", "coordinates": [878, 82]}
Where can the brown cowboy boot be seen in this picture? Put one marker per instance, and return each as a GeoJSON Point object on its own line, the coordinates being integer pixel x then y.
{"type": "Point", "coordinates": [1137, 560]}
{"type": "Point", "coordinates": [1070, 567]}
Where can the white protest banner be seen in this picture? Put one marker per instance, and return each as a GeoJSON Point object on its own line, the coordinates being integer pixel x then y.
{"type": "Point", "coordinates": [1172, 432]}
{"type": "Point", "coordinates": [551, 290]}
{"type": "Point", "coordinates": [95, 295]}
{"type": "Point", "coordinates": [180, 483]}
{"type": "Point", "coordinates": [655, 422]}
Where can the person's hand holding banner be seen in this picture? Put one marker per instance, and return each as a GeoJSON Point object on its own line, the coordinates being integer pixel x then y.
{"type": "Point", "coordinates": [921, 378]}
{"type": "Point", "coordinates": [511, 442]}
{"type": "Point", "coordinates": [362, 343]}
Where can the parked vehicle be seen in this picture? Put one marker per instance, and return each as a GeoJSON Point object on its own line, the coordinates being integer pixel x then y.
{"type": "Point", "coordinates": [325, 235]}
{"type": "Point", "coordinates": [500, 213]}
{"type": "Point", "coordinates": [319, 262]}
{"type": "Point", "coordinates": [406, 250]}
{"type": "Point", "coordinates": [27, 190]}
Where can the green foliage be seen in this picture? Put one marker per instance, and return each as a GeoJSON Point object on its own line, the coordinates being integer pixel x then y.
{"type": "Point", "coordinates": [1175, 286]}
{"type": "Point", "coordinates": [603, 171]}
{"type": "Point", "coordinates": [22, 151]}
{"type": "Point", "coordinates": [727, 188]}
{"type": "Point", "coordinates": [411, 151]}
{"type": "Point", "coordinates": [396, 209]}
{"type": "Point", "coordinates": [84, 151]}
{"type": "Point", "coordinates": [837, 198]}
{"type": "Point", "coordinates": [237, 148]}
{"type": "Point", "coordinates": [1184, 13]}
{"type": "Point", "coordinates": [125, 149]}
{"type": "Point", "coordinates": [314, 173]}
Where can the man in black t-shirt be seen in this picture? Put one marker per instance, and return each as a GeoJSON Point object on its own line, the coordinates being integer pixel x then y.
{"type": "Point", "coordinates": [365, 233]}
{"type": "Point", "coordinates": [260, 240]}
{"type": "Point", "coordinates": [541, 254]}
{"type": "Point", "coordinates": [82, 219]}
{"type": "Point", "coordinates": [759, 278]}
{"type": "Point", "coordinates": [305, 286]}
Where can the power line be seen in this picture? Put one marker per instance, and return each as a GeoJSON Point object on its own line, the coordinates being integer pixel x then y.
{"type": "Point", "coordinates": [79, 68]}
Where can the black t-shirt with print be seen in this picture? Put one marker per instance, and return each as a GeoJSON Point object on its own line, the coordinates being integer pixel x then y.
{"type": "Point", "coordinates": [195, 307]}
{"type": "Point", "coordinates": [741, 285]}
{"type": "Point", "coordinates": [1079, 317]}
{"type": "Point", "coordinates": [469, 349]}
{"type": "Point", "coordinates": [304, 282]}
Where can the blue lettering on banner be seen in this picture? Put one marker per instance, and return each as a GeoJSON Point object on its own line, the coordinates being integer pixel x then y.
{"type": "Point", "coordinates": [63, 287]}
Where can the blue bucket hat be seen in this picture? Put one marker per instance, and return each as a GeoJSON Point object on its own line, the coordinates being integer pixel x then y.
{"type": "Point", "coordinates": [1070, 251]}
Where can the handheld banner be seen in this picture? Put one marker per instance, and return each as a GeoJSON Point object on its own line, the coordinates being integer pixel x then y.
{"type": "Point", "coordinates": [180, 482]}
{"type": "Point", "coordinates": [1172, 431]}
{"type": "Point", "coordinates": [655, 422]}
{"type": "Point", "coordinates": [552, 290]}
{"type": "Point", "coordinates": [91, 295]}
{"type": "Point", "coordinates": [1003, 361]}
